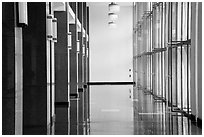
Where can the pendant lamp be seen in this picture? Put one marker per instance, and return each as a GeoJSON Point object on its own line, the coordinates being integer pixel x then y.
{"type": "Point", "coordinates": [113, 7]}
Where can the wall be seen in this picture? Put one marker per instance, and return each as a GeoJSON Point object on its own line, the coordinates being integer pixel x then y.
{"type": "Point", "coordinates": [110, 49]}
{"type": "Point", "coordinates": [8, 69]}
{"type": "Point", "coordinates": [35, 71]}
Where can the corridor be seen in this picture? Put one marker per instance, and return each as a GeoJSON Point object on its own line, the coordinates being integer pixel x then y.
{"type": "Point", "coordinates": [101, 68]}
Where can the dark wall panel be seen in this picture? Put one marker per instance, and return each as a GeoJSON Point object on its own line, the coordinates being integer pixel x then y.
{"type": "Point", "coordinates": [61, 74]}
{"type": "Point", "coordinates": [73, 83]}
{"type": "Point", "coordinates": [8, 69]}
{"type": "Point", "coordinates": [35, 75]}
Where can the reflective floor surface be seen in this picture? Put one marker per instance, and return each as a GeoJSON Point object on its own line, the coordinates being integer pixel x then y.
{"type": "Point", "coordinates": [114, 111]}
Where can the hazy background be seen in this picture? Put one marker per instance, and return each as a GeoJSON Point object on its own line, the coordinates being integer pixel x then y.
{"type": "Point", "coordinates": [110, 49]}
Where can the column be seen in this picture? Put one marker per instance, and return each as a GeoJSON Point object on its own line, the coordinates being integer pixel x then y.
{"type": "Point", "coordinates": [35, 71]}
{"type": "Point", "coordinates": [61, 74]}
{"type": "Point", "coordinates": [73, 78]}
{"type": "Point", "coordinates": [8, 69]}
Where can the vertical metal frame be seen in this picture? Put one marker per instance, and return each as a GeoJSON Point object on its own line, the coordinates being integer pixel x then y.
{"type": "Point", "coordinates": [181, 58]}
{"type": "Point", "coordinates": [162, 46]}
{"type": "Point", "coordinates": [188, 107]}
{"type": "Point", "coordinates": [169, 52]}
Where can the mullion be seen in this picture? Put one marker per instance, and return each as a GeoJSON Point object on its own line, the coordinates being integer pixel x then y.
{"type": "Point", "coordinates": [165, 23]}
{"type": "Point", "coordinates": [146, 59]}
{"type": "Point", "coordinates": [158, 55]}
{"type": "Point", "coordinates": [155, 55]}
{"type": "Point", "coordinates": [173, 55]}
{"type": "Point", "coordinates": [50, 9]}
{"type": "Point", "coordinates": [170, 55]}
{"type": "Point", "coordinates": [150, 22]}
{"type": "Point", "coordinates": [176, 56]}
{"type": "Point", "coordinates": [168, 51]}
{"type": "Point", "coordinates": [171, 59]}
{"type": "Point", "coordinates": [160, 44]}
{"type": "Point", "coordinates": [147, 34]}
{"type": "Point", "coordinates": [181, 57]}
{"type": "Point", "coordinates": [162, 52]}
{"type": "Point", "coordinates": [152, 48]}
{"type": "Point", "coordinates": [187, 58]}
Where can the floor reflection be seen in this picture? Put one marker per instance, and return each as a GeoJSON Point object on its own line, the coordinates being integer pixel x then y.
{"type": "Point", "coordinates": [114, 111]}
{"type": "Point", "coordinates": [111, 110]}
{"type": "Point", "coordinates": [154, 118]}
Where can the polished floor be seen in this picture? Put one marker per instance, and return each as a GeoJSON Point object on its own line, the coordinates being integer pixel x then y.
{"type": "Point", "coordinates": [114, 111]}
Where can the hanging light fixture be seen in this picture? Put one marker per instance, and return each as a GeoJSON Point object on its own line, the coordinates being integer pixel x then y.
{"type": "Point", "coordinates": [78, 46]}
{"type": "Point", "coordinates": [112, 24]}
{"type": "Point", "coordinates": [49, 26]}
{"type": "Point", "coordinates": [113, 7]}
{"type": "Point", "coordinates": [54, 29]}
{"type": "Point", "coordinates": [22, 14]}
{"type": "Point", "coordinates": [69, 40]}
{"type": "Point", "coordinates": [112, 17]}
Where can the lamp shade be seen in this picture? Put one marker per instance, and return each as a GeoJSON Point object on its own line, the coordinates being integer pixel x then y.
{"type": "Point", "coordinates": [69, 40]}
{"type": "Point", "coordinates": [23, 15]}
{"type": "Point", "coordinates": [112, 24]}
{"type": "Point", "coordinates": [54, 31]}
{"type": "Point", "coordinates": [49, 27]}
{"type": "Point", "coordinates": [113, 8]}
{"type": "Point", "coordinates": [59, 6]}
{"type": "Point", "coordinates": [83, 48]}
{"type": "Point", "coordinates": [112, 16]}
{"type": "Point", "coordinates": [87, 52]}
{"type": "Point", "coordinates": [78, 46]}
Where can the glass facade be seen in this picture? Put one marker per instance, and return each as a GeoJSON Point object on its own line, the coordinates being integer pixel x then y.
{"type": "Point", "coordinates": [162, 44]}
